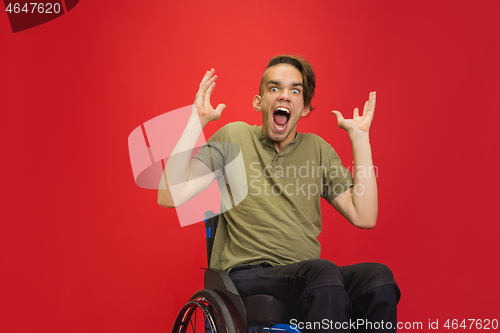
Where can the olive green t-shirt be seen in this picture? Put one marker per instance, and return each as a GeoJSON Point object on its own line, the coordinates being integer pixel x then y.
{"type": "Point", "coordinates": [279, 219]}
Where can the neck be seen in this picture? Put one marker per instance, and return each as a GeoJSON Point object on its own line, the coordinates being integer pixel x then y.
{"type": "Point", "coordinates": [279, 145]}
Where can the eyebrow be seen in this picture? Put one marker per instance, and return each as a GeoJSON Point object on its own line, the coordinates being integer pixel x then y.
{"type": "Point", "coordinates": [277, 83]}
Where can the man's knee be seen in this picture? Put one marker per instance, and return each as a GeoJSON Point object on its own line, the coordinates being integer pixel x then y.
{"type": "Point", "coordinates": [381, 273]}
{"type": "Point", "coordinates": [373, 273]}
{"type": "Point", "coordinates": [323, 273]}
{"type": "Point", "coordinates": [385, 279]}
{"type": "Point", "coordinates": [361, 278]}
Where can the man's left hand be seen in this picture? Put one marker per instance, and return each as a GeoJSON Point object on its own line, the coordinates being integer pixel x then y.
{"type": "Point", "coordinates": [358, 123]}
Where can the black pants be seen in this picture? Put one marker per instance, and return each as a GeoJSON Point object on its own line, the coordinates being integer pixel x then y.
{"type": "Point", "coordinates": [355, 298]}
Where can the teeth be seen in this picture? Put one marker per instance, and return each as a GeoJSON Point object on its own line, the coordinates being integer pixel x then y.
{"type": "Point", "coordinates": [283, 109]}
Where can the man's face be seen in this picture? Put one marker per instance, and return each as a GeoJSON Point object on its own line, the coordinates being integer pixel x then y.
{"type": "Point", "coordinates": [281, 103]}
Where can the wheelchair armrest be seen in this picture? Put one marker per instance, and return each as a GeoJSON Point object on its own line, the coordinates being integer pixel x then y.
{"type": "Point", "coordinates": [213, 279]}
{"type": "Point", "coordinates": [218, 281]}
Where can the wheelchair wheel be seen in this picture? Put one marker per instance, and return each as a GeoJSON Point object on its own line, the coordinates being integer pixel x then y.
{"type": "Point", "coordinates": [205, 312]}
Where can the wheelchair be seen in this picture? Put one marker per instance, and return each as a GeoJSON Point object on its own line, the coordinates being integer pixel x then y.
{"type": "Point", "coordinates": [218, 308]}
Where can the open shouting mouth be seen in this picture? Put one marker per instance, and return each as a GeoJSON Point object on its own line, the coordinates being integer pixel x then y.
{"type": "Point", "coordinates": [281, 116]}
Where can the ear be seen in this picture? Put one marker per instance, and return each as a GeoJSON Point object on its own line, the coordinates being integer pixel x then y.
{"type": "Point", "coordinates": [306, 111]}
{"type": "Point", "coordinates": [257, 103]}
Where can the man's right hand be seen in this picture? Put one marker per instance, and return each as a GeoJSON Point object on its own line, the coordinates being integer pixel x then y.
{"type": "Point", "coordinates": [202, 106]}
{"type": "Point", "coordinates": [183, 177]}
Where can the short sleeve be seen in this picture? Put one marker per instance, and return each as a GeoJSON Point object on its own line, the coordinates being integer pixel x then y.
{"type": "Point", "coordinates": [337, 178]}
{"type": "Point", "coordinates": [213, 153]}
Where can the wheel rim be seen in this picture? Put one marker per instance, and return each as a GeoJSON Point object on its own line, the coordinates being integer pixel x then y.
{"type": "Point", "coordinates": [200, 316]}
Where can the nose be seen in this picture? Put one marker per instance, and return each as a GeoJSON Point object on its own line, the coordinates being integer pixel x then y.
{"type": "Point", "coordinates": [285, 95]}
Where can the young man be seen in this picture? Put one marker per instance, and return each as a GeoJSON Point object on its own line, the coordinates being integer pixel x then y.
{"type": "Point", "coordinates": [268, 241]}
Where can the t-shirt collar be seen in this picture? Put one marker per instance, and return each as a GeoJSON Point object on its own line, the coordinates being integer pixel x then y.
{"type": "Point", "coordinates": [266, 142]}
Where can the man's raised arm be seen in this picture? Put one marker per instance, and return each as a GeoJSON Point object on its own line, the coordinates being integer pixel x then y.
{"type": "Point", "coordinates": [183, 177]}
{"type": "Point", "coordinates": [359, 204]}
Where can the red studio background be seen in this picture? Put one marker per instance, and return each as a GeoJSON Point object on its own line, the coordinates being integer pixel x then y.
{"type": "Point", "coordinates": [84, 249]}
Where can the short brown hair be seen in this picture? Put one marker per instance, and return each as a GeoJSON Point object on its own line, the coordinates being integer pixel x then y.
{"type": "Point", "coordinates": [305, 68]}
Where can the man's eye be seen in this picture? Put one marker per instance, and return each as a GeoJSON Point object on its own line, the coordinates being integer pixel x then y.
{"type": "Point", "coordinates": [274, 89]}
{"type": "Point", "coordinates": [295, 91]}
